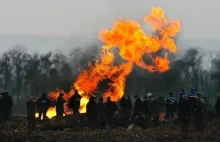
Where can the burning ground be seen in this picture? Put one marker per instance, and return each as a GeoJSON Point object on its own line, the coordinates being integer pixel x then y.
{"type": "Point", "coordinates": [15, 130]}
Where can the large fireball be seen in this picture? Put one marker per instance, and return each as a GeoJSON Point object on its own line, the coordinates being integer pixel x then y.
{"type": "Point", "coordinates": [132, 43]}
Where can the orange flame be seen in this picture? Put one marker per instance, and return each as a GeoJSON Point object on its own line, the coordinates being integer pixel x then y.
{"type": "Point", "coordinates": [133, 43]}
{"type": "Point", "coordinates": [51, 112]}
{"type": "Point", "coordinates": [54, 95]}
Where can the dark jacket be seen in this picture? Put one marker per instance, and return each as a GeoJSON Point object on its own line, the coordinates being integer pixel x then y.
{"type": "Point", "coordinates": [198, 116]}
{"type": "Point", "coordinates": [217, 105]}
{"type": "Point", "coordinates": [192, 100]}
{"type": "Point", "coordinates": [91, 112]}
{"type": "Point", "coordinates": [145, 107]}
{"type": "Point", "coordinates": [74, 102]}
{"type": "Point", "coordinates": [137, 107]}
{"type": "Point", "coordinates": [59, 105]}
{"type": "Point", "coordinates": [125, 103]}
{"type": "Point", "coordinates": [7, 103]}
{"type": "Point", "coordinates": [43, 104]}
{"type": "Point", "coordinates": [171, 104]}
{"type": "Point", "coordinates": [31, 108]}
{"type": "Point", "coordinates": [199, 105]}
{"type": "Point", "coordinates": [183, 108]}
{"type": "Point", "coordinates": [111, 108]}
{"type": "Point", "coordinates": [91, 109]}
{"type": "Point", "coordinates": [154, 106]}
{"type": "Point", "coordinates": [1, 103]}
{"type": "Point", "coordinates": [102, 109]}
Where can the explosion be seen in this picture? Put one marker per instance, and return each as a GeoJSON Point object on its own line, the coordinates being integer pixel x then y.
{"type": "Point", "coordinates": [132, 43]}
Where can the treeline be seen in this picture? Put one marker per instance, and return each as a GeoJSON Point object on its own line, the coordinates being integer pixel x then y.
{"type": "Point", "coordinates": [22, 73]}
{"type": "Point", "coordinates": [186, 71]}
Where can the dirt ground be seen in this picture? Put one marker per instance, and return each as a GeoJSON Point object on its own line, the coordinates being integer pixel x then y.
{"type": "Point", "coordinates": [16, 131]}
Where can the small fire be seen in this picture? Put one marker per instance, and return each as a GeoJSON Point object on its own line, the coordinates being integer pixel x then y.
{"type": "Point", "coordinates": [50, 113]}
{"type": "Point", "coordinates": [133, 43]}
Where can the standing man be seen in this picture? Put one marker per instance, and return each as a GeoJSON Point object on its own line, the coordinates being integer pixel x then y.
{"type": "Point", "coordinates": [184, 112]}
{"type": "Point", "coordinates": [198, 116]}
{"type": "Point", "coordinates": [111, 109]}
{"type": "Point", "coordinates": [30, 107]}
{"type": "Point", "coordinates": [154, 109]}
{"type": "Point", "coordinates": [181, 95]}
{"type": "Point", "coordinates": [91, 112]}
{"type": "Point", "coordinates": [74, 102]}
{"type": "Point", "coordinates": [43, 105]}
{"type": "Point", "coordinates": [192, 101]}
{"type": "Point", "coordinates": [217, 105]}
{"type": "Point", "coordinates": [137, 109]}
{"type": "Point", "coordinates": [7, 104]}
{"type": "Point", "coordinates": [101, 113]}
{"type": "Point", "coordinates": [145, 109]}
{"type": "Point", "coordinates": [170, 107]}
{"type": "Point", "coordinates": [59, 105]}
{"type": "Point", "coordinates": [1, 106]}
{"type": "Point", "coordinates": [125, 104]}
{"type": "Point", "coordinates": [145, 105]}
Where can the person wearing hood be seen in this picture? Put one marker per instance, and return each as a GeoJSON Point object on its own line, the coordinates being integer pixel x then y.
{"type": "Point", "coordinates": [198, 116]}
{"type": "Point", "coordinates": [91, 112]}
{"type": "Point", "coordinates": [170, 105]}
{"type": "Point", "coordinates": [183, 113]}
{"type": "Point", "coordinates": [74, 102]}
{"type": "Point", "coordinates": [60, 105]}
{"type": "Point", "coordinates": [31, 110]}
{"type": "Point", "coordinates": [217, 105]}
{"type": "Point", "coordinates": [192, 101]}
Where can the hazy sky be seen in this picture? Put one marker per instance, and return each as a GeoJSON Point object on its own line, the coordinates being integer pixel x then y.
{"type": "Point", "coordinates": [199, 18]}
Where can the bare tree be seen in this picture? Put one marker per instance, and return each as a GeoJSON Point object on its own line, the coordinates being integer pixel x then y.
{"type": "Point", "coordinates": [5, 72]}
{"type": "Point", "coordinates": [18, 58]}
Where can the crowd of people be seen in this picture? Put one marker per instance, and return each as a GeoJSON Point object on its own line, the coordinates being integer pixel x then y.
{"type": "Point", "coordinates": [189, 107]}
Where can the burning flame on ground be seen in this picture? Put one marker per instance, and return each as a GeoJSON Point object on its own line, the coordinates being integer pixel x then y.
{"type": "Point", "coordinates": [54, 95]}
{"type": "Point", "coordinates": [133, 43]}
{"type": "Point", "coordinates": [50, 113]}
